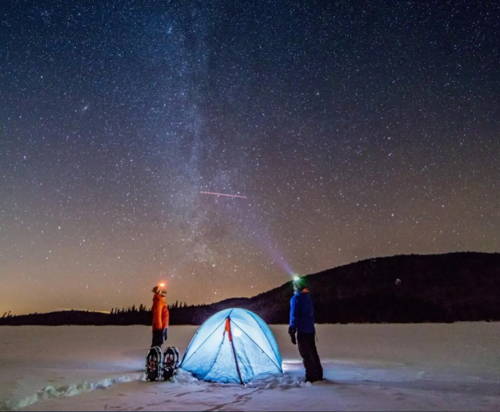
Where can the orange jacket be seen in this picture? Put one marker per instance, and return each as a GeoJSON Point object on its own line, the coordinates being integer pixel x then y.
{"type": "Point", "coordinates": [160, 313]}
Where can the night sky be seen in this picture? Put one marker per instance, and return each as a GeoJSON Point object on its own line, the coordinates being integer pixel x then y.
{"type": "Point", "coordinates": [354, 129]}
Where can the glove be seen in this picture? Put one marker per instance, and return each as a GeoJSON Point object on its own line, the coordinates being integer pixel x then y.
{"type": "Point", "coordinates": [292, 331]}
{"type": "Point", "coordinates": [165, 334]}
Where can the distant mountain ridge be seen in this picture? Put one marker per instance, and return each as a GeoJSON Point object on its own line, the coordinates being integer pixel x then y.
{"type": "Point", "coordinates": [461, 286]}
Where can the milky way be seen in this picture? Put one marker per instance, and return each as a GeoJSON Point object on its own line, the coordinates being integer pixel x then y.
{"type": "Point", "coordinates": [349, 129]}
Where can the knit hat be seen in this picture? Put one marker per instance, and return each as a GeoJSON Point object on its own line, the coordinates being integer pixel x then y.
{"type": "Point", "coordinates": [160, 289]}
{"type": "Point", "coordinates": [299, 282]}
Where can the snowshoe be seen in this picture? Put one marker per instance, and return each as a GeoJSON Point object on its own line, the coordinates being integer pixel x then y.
{"type": "Point", "coordinates": [154, 364]}
{"type": "Point", "coordinates": [170, 362]}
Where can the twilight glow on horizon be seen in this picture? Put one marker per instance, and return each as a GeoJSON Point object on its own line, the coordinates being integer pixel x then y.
{"type": "Point", "coordinates": [222, 146]}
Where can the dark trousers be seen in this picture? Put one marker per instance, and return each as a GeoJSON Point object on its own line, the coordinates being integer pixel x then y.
{"type": "Point", "coordinates": [159, 337]}
{"type": "Point", "coordinates": [307, 349]}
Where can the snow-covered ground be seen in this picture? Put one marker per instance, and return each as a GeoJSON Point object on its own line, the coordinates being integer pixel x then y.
{"type": "Point", "coordinates": [383, 367]}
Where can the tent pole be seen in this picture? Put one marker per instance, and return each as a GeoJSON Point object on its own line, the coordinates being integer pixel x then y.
{"type": "Point", "coordinates": [230, 335]}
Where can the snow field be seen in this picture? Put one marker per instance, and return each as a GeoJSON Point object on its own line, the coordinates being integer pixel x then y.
{"type": "Point", "coordinates": [377, 366]}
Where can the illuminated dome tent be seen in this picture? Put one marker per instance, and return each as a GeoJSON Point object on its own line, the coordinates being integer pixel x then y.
{"type": "Point", "coordinates": [234, 345]}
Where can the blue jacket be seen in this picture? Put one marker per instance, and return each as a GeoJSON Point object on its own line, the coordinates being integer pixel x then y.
{"type": "Point", "coordinates": [302, 312]}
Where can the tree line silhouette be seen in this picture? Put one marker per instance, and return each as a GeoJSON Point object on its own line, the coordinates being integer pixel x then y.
{"type": "Point", "coordinates": [142, 308]}
{"type": "Point", "coordinates": [131, 315]}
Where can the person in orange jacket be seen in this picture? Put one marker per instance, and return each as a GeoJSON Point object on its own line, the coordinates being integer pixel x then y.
{"type": "Point", "coordinates": [160, 315]}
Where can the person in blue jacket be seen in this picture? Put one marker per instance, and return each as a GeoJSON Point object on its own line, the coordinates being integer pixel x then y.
{"type": "Point", "coordinates": [301, 329]}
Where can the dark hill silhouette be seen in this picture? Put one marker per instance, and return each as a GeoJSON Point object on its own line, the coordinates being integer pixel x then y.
{"type": "Point", "coordinates": [407, 288]}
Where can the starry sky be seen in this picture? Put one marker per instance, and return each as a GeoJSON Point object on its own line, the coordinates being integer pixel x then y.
{"type": "Point", "coordinates": [351, 129]}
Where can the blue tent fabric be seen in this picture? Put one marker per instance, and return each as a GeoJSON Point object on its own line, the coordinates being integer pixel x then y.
{"type": "Point", "coordinates": [233, 346]}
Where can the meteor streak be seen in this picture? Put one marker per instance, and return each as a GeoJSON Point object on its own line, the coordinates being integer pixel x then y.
{"type": "Point", "coordinates": [224, 195]}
